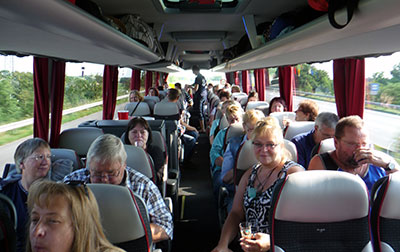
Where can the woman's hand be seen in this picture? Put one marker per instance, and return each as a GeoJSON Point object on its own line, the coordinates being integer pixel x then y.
{"type": "Point", "coordinates": [259, 242]}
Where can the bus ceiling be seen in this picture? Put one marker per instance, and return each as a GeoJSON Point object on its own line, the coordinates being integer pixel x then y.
{"type": "Point", "coordinates": [190, 32]}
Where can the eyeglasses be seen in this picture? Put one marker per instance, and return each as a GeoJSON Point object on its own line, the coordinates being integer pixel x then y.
{"type": "Point", "coordinates": [261, 146]}
{"type": "Point", "coordinates": [78, 183]}
{"type": "Point", "coordinates": [41, 157]}
{"type": "Point", "coordinates": [108, 175]}
{"type": "Point", "coordinates": [355, 145]}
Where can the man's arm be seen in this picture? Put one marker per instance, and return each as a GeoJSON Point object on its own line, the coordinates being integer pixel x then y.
{"type": "Point", "coordinates": [316, 164]}
{"type": "Point", "coordinates": [227, 166]}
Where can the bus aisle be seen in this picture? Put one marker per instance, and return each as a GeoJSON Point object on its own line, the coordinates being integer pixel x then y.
{"type": "Point", "coordinates": [198, 229]}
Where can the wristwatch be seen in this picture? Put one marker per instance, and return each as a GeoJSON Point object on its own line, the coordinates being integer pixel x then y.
{"type": "Point", "coordinates": [390, 166]}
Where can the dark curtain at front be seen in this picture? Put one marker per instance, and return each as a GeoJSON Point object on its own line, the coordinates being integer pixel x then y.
{"type": "Point", "coordinates": [349, 86]}
{"type": "Point", "coordinates": [228, 77]}
{"type": "Point", "coordinates": [236, 77]}
{"type": "Point", "coordinates": [135, 80]}
{"type": "Point", "coordinates": [110, 88]}
{"type": "Point", "coordinates": [259, 76]}
{"type": "Point", "coordinates": [245, 82]}
{"type": "Point", "coordinates": [148, 81]}
{"type": "Point", "coordinates": [57, 101]}
{"type": "Point", "coordinates": [286, 85]}
{"type": "Point", "coordinates": [41, 98]}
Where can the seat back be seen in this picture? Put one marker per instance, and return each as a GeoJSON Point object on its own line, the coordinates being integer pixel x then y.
{"type": "Point", "coordinates": [296, 128]}
{"type": "Point", "coordinates": [218, 114]}
{"type": "Point", "coordinates": [63, 162]}
{"type": "Point", "coordinates": [138, 160]}
{"type": "Point", "coordinates": [142, 109]}
{"type": "Point", "coordinates": [245, 159]}
{"type": "Point", "coordinates": [223, 123]}
{"type": "Point", "coordinates": [326, 145]}
{"type": "Point", "coordinates": [123, 222]}
{"type": "Point", "coordinates": [320, 211]}
{"type": "Point", "coordinates": [59, 153]}
{"type": "Point", "coordinates": [385, 216]}
{"type": "Point", "coordinates": [79, 139]}
{"type": "Point", "coordinates": [8, 224]}
{"type": "Point", "coordinates": [281, 115]}
{"type": "Point", "coordinates": [159, 142]}
{"type": "Point", "coordinates": [151, 102]}
{"type": "Point", "coordinates": [166, 110]}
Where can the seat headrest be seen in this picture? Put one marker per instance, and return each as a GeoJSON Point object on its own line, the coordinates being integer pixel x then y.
{"type": "Point", "coordinates": [257, 104]}
{"type": "Point", "coordinates": [280, 115]}
{"type": "Point", "coordinates": [326, 145]}
{"type": "Point", "coordinates": [79, 139]}
{"type": "Point", "coordinates": [152, 98]}
{"type": "Point", "coordinates": [296, 128]}
{"type": "Point", "coordinates": [234, 130]}
{"type": "Point", "coordinates": [246, 158]}
{"type": "Point", "coordinates": [120, 217]}
{"type": "Point", "coordinates": [322, 196]}
{"type": "Point", "coordinates": [59, 153]}
{"type": "Point", "coordinates": [142, 109]}
{"type": "Point", "coordinates": [166, 109]}
{"type": "Point", "coordinates": [218, 114]}
{"type": "Point", "coordinates": [391, 202]}
{"type": "Point", "coordinates": [291, 147]}
{"type": "Point", "coordinates": [158, 140]}
{"type": "Point", "coordinates": [223, 123]}
{"type": "Point", "coordinates": [138, 160]}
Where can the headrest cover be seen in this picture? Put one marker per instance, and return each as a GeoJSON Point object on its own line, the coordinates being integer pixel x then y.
{"type": "Point", "coordinates": [79, 139]}
{"type": "Point", "coordinates": [166, 109]}
{"type": "Point", "coordinates": [119, 215]}
{"type": "Point", "coordinates": [391, 202]}
{"type": "Point", "coordinates": [246, 158]}
{"type": "Point", "coordinates": [322, 196]}
{"type": "Point", "coordinates": [137, 160]}
{"type": "Point", "coordinates": [296, 128]}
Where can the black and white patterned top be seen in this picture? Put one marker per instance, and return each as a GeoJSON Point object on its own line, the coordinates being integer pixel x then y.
{"type": "Point", "coordinates": [257, 205]}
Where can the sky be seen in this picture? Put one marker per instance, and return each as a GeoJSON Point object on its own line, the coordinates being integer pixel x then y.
{"type": "Point", "coordinates": [12, 63]}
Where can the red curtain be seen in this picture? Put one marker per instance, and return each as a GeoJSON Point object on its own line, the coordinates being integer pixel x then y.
{"type": "Point", "coordinates": [110, 88]}
{"type": "Point", "coordinates": [286, 85]}
{"type": "Point", "coordinates": [259, 76]}
{"type": "Point", "coordinates": [236, 77]}
{"type": "Point", "coordinates": [41, 98]}
{"type": "Point", "coordinates": [349, 86]}
{"type": "Point", "coordinates": [228, 77]}
{"type": "Point", "coordinates": [57, 101]}
{"type": "Point", "coordinates": [148, 81]}
{"type": "Point", "coordinates": [245, 82]}
{"type": "Point", "coordinates": [135, 80]}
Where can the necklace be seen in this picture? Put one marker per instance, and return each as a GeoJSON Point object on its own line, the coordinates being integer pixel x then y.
{"type": "Point", "coordinates": [253, 192]}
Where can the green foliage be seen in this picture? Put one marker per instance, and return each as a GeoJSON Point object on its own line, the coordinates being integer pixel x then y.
{"type": "Point", "coordinates": [390, 93]}
{"type": "Point", "coordinates": [310, 79]}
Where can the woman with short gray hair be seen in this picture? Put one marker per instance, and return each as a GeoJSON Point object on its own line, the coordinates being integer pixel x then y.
{"type": "Point", "coordinates": [33, 159]}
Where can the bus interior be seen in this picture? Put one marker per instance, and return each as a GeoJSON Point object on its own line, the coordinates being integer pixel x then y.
{"type": "Point", "coordinates": [168, 36]}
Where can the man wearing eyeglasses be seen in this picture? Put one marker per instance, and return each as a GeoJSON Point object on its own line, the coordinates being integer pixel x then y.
{"type": "Point", "coordinates": [354, 154]}
{"type": "Point", "coordinates": [324, 128]}
{"type": "Point", "coordinates": [106, 163]}
{"type": "Point", "coordinates": [33, 159]}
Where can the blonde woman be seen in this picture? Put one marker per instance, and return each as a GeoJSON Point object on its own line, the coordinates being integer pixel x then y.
{"type": "Point", "coordinates": [252, 199]}
{"type": "Point", "coordinates": [65, 218]}
{"type": "Point", "coordinates": [135, 96]}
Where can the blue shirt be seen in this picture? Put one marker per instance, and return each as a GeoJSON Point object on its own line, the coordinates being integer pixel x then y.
{"type": "Point", "coordinates": [217, 149]}
{"type": "Point", "coordinates": [19, 196]}
{"type": "Point", "coordinates": [304, 144]}
{"type": "Point", "coordinates": [230, 157]}
{"type": "Point", "coordinates": [374, 173]}
{"type": "Point", "coordinates": [214, 126]}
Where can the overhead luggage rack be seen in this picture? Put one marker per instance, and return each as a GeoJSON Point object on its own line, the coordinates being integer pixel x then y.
{"type": "Point", "coordinates": [58, 29]}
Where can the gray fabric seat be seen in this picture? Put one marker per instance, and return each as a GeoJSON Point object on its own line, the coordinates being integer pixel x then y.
{"type": "Point", "coordinates": [142, 109]}
{"type": "Point", "coordinates": [79, 139]}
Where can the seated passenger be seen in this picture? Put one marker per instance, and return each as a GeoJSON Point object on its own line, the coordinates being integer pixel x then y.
{"type": "Point", "coordinates": [250, 119]}
{"type": "Point", "coordinates": [33, 159]}
{"type": "Point", "coordinates": [215, 126]}
{"type": "Point", "coordinates": [223, 97]}
{"type": "Point", "coordinates": [252, 199]}
{"type": "Point", "coordinates": [235, 89]}
{"type": "Point", "coordinates": [188, 133]}
{"type": "Point", "coordinates": [354, 153]}
{"type": "Point", "coordinates": [106, 163]}
{"type": "Point", "coordinates": [153, 92]}
{"type": "Point", "coordinates": [306, 111]}
{"type": "Point", "coordinates": [184, 97]}
{"type": "Point", "coordinates": [324, 128]}
{"type": "Point", "coordinates": [138, 133]}
{"type": "Point", "coordinates": [277, 104]}
{"type": "Point", "coordinates": [234, 114]}
{"type": "Point", "coordinates": [135, 96]}
{"type": "Point", "coordinates": [253, 96]}
{"type": "Point", "coordinates": [65, 218]}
